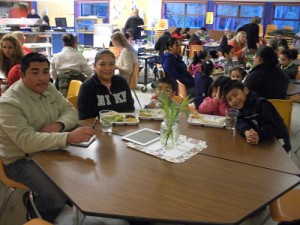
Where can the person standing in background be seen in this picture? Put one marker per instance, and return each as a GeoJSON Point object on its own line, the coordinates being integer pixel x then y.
{"type": "Point", "coordinates": [135, 23]}
{"type": "Point", "coordinates": [45, 17]}
{"type": "Point", "coordinates": [252, 31]}
{"type": "Point", "coordinates": [33, 14]}
{"type": "Point", "coordinates": [21, 37]}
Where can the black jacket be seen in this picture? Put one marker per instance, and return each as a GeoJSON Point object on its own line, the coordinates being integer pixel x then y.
{"type": "Point", "coordinates": [160, 45]}
{"type": "Point", "coordinates": [133, 23]}
{"type": "Point", "coordinates": [94, 96]}
{"type": "Point", "coordinates": [252, 31]}
{"type": "Point", "coordinates": [260, 115]}
{"type": "Point", "coordinates": [268, 81]}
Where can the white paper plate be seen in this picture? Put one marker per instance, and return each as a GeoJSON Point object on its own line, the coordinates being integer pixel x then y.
{"type": "Point", "coordinates": [207, 120]}
{"type": "Point", "coordinates": [126, 121]}
{"type": "Point", "coordinates": [151, 114]}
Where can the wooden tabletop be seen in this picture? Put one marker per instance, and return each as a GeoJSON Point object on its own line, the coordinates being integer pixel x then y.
{"type": "Point", "coordinates": [225, 144]}
{"type": "Point", "coordinates": [293, 89]}
{"type": "Point", "coordinates": [109, 179]}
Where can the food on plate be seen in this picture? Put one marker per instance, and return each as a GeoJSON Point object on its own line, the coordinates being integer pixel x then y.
{"type": "Point", "coordinates": [119, 118]}
{"type": "Point", "coordinates": [145, 113]}
{"type": "Point", "coordinates": [208, 119]}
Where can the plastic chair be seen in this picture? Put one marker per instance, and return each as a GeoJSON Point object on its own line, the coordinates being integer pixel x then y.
{"type": "Point", "coordinates": [37, 221]}
{"type": "Point", "coordinates": [284, 108]}
{"type": "Point", "coordinates": [73, 100]}
{"type": "Point", "coordinates": [181, 89]}
{"type": "Point", "coordinates": [134, 80]}
{"type": "Point", "coordinates": [270, 28]}
{"type": "Point", "coordinates": [288, 28]}
{"type": "Point", "coordinates": [261, 30]}
{"type": "Point", "coordinates": [286, 208]}
{"type": "Point", "coordinates": [74, 88]}
{"type": "Point", "coordinates": [114, 50]}
{"type": "Point", "coordinates": [193, 49]}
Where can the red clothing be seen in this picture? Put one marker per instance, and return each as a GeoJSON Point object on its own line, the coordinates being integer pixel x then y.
{"type": "Point", "coordinates": [212, 106]}
{"type": "Point", "coordinates": [175, 35]}
{"type": "Point", "coordinates": [26, 50]}
{"type": "Point", "coordinates": [14, 74]}
{"type": "Point", "coordinates": [237, 49]}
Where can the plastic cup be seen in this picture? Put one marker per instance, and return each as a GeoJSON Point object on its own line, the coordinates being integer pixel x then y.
{"type": "Point", "coordinates": [231, 117]}
{"type": "Point", "coordinates": [106, 120]}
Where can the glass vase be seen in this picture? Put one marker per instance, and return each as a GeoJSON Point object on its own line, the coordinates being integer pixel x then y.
{"type": "Point", "coordinates": [169, 134]}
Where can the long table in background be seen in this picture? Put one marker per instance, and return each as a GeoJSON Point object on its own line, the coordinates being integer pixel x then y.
{"type": "Point", "coordinates": [223, 184]}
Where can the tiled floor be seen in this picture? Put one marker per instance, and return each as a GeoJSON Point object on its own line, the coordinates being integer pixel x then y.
{"type": "Point", "coordinates": [16, 216]}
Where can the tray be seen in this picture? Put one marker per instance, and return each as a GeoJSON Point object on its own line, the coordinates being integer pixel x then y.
{"type": "Point", "coordinates": [133, 120]}
{"type": "Point", "coordinates": [207, 120]}
{"type": "Point", "coordinates": [151, 114]}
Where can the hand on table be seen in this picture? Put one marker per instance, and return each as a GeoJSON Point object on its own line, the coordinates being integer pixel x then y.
{"type": "Point", "coordinates": [252, 136]}
{"type": "Point", "coordinates": [81, 134]}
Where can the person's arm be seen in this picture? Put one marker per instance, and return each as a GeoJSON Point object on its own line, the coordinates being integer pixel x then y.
{"type": "Point", "coordinates": [208, 106]}
{"type": "Point", "coordinates": [85, 68]}
{"type": "Point", "coordinates": [14, 74]}
{"type": "Point", "coordinates": [53, 70]}
{"type": "Point", "coordinates": [256, 36]}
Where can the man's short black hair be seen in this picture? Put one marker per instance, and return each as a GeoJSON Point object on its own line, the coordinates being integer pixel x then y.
{"type": "Point", "coordinates": [232, 84]}
{"type": "Point", "coordinates": [32, 57]}
{"type": "Point", "coordinates": [226, 49]}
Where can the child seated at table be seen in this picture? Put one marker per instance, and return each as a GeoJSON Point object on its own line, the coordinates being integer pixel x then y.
{"type": "Point", "coordinates": [226, 59]}
{"type": "Point", "coordinates": [214, 104]}
{"type": "Point", "coordinates": [203, 82]}
{"type": "Point", "coordinates": [197, 60]}
{"type": "Point", "coordinates": [164, 86]}
{"type": "Point", "coordinates": [237, 73]}
{"type": "Point", "coordinates": [258, 120]}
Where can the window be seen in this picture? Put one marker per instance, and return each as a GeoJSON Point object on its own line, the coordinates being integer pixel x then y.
{"type": "Point", "coordinates": [184, 14]}
{"type": "Point", "coordinates": [235, 15]}
{"type": "Point", "coordinates": [101, 10]}
{"type": "Point", "coordinates": [287, 15]}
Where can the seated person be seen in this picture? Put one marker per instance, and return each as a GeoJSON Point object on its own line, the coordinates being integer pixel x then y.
{"type": "Point", "coordinates": [68, 65]}
{"type": "Point", "coordinates": [104, 90]}
{"type": "Point", "coordinates": [36, 117]}
{"type": "Point", "coordinates": [239, 43]}
{"type": "Point", "coordinates": [187, 33]}
{"type": "Point", "coordinates": [214, 103]}
{"type": "Point", "coordinates": [195, 39]}
{"type": "Point", "coordinates": [258, 120]}
{"type": "Point", "coordinates": [164, 86]}
{"type": "Point", "coordinates": [266, 79]}
{"type": "Point", "coordinates": [226, 60]}
{"type": "Point", "coordinates": [195, 67]}
{"type": "Point", "coordinates": [286, 60]}
{"type": "Point", "coordinates": [160, 45]}
{"type": "Point", "coordinates": [225, 38]}
{"type": "Point", "coordinates": [203, 35]}
{"type": "Point", "coordinates": [282, 42]}
{"type": "Point", "coordinates": [203, 82]}
{"type": "Point", "coordinates": [237, 73]}
{"type": "Point", "coordinates": [177, 33]}
{"type": "Point", "coordinates": [174, 66]}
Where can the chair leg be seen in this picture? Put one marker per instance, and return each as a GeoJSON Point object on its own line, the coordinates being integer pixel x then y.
{"type": "Point", "coordinates": [6, 199]}
{"type": "Point", "coordinates": [34, 206]}
{"type": "Point", "coordinates": [137, 98]}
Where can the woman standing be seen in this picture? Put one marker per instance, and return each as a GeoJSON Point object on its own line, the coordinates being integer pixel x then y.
{"type": "Point", "coordinates": [11, 54]}
{"type": "Point", "coordinates": [252, 30]}
{"type": "Point", "coordinates": [104, 90]}
{"type": "Point", "coordinates": [128, 57]}
{"type": "Point", "coordinates": [239, 43]}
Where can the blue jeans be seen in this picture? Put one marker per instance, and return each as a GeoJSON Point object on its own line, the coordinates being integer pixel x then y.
{"type": "Point", "coordinates": [48, 198]}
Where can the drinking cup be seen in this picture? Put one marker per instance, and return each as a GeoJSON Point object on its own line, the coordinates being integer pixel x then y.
{"type": "Point", "coordinates": [231, 117]}
{"type": "Point", "coordinates": [106, 120]}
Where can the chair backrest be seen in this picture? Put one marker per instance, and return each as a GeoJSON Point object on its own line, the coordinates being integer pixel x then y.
{"type": "Point", "coordinates": [193, 49]}
{"type": "Point", "coordinates": [73, 100]}
{"type": "Point", "coordinates": [8, 182]}
{"type": "Point", "coordinates": [270, 28]}
{"type": "Point", "coordinates": [261, 30]}
{"type": "Point", "coordinates": [284, 108]}
{"type": "Point", "coordinates": [133, 79]}
{"type": "Point", "coordinates": [114, 50]}
{"type": "Point", "coordinates": [288, 28]}
{"type": "Point", "coordinates": [37, 221]}
{"type": "Point", "coordinates": [181, 89]}
{"type": "Point", "coordinates": [74, 88]}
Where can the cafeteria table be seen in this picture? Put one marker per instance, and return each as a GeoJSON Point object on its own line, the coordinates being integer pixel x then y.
{"type": "Point", "coordinates": [111, 180]}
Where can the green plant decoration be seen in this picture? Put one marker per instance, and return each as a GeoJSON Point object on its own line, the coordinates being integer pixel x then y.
{"type": "Point", "coordinates": [172, 112]}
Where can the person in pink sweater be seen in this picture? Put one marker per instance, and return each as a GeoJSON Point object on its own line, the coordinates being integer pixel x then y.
{"type": "Point", "coordinates": [215, 104]}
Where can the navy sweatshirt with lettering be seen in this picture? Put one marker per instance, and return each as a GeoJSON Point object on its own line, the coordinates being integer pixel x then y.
{"type": "Point", "coordinates": [94, 96]}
